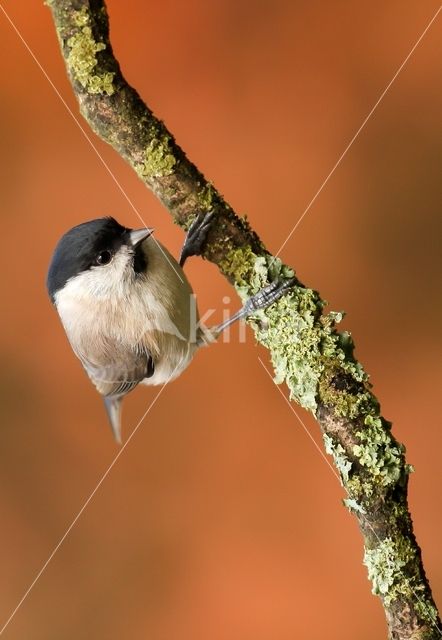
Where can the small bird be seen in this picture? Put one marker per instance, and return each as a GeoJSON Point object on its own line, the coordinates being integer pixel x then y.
{"type": "Point", "coordinates": [127, 307]}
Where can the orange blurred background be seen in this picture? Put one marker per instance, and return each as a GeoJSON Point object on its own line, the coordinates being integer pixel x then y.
{"type": "Point", "coordinates": [221, 520]}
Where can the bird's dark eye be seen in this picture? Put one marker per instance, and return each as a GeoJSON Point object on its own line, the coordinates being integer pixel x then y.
{"type": "Point", "coordinates": [104, 257]}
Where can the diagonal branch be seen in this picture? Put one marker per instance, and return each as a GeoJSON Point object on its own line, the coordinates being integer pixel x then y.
{"type": "Point", "coordinates": [308, 353]}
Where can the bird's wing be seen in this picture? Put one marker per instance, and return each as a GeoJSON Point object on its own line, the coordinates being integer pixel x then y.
{"type": "Point", "coordinates": [121, 372]}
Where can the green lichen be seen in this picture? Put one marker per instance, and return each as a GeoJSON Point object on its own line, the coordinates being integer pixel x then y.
{"type": "Point", "coordinates": [266, 269]}
{"type": "Point", "coordinates": [238, 265]}
{"type": "Point", "coordinates": [393, 568]}
{"type": "Point", "coordinates": [158, 159]}
{"type": "Point", "coordinates": [385, 565]}
{"type": "Point", "coordinates": [424, 607]}
{"type": "Point", "coordinates": [379, 453]}
{"type": "Point", "coordinates": [294, 336]}
{"type": "Point", "coordinates": [342, 463]}
{"type": "Point", "coordinates": [301, 341]}
{"type": "Point", "coordinates": [289, 329]}
{"type": "Point", "coordinates": [346, 403]}
{"type": "Point", "coordinates": [82, 58]}
{"type": "Point", "coordinates": [206, 196]}
{"type": "Point", "coordinates": [359, 488]}
{"type": "Point", "coordinates": [337, 348]}
{"type": "Point", "coordinates": [353, 505]}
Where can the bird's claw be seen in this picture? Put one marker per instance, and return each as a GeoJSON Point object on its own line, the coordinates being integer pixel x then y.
{"type": "Point", "coordinates": [196, 236]}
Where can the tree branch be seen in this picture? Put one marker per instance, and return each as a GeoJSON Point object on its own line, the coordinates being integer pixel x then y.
{"type": "Point", "coordinates": [308, 353]}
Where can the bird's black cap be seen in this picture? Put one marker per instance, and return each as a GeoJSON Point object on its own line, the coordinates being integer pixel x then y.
{"type": "Point", "coordinates": [77, 250]}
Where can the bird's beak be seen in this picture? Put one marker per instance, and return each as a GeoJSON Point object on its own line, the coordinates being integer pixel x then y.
{"type": "Point", "coordinates": [138, 235]}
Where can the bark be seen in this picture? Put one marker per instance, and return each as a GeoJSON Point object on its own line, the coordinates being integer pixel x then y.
{"type": "Point", "coordinates": [308, 352]}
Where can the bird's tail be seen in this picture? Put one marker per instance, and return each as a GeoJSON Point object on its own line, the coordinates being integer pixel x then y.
{"type": "Point", "coordinates": [113, 409]}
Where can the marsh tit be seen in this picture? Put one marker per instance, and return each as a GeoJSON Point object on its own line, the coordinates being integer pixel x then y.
{"type": "Point", "coordinates": [127, 307]}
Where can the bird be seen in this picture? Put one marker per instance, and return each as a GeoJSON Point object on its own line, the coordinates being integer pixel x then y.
{"type": "Point", "coordinates": [127, 307]}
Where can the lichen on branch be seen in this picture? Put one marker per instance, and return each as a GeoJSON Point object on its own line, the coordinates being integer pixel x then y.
{"type": "Point", "coordinates": [308, 353]}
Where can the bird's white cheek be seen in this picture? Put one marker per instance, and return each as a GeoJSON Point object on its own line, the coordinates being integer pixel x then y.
{"type": "Point", "coordinates": [102, 282]}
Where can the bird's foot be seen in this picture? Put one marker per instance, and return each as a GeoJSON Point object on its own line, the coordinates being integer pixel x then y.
{"type": "Point", "coordinates": [268, 295]}
{"type": "Point", "coordinates": [196, 236]}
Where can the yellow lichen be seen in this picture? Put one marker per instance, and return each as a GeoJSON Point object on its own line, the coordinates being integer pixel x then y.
{"type": "Point", "coordinates": [82, 60]}
{"type": "Point", "coordinates": [158, 159]}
